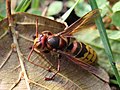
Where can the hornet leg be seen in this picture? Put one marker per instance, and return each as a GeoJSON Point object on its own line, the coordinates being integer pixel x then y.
{"type": "Point", "coordinates": [58, 69]}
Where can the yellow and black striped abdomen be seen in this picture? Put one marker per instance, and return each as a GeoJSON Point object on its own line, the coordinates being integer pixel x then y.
{"type": "Point", "coordinates": [82, 51]}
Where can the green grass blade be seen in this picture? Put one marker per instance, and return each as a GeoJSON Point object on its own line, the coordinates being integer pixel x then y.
{"type": "Point", "coordinates": [105, 41]}
{"type": "Point", "coordinates": [23, 5]}
{"type": "Point", "coordinates": [114, 82]}
{"type": "Point", "coordinates": [1, 17]}
{"type": "Point", "coordinates": [65, 16]}
{"type": "Point", "coordinates": [19, 6]}
{"type": "Point", "coordinates": [35, 3]}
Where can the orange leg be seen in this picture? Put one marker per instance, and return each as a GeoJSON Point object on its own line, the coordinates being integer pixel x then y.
{"type": "Point", "coordinates": [46, 68]}
{"type": "Point", "coordinates": [52, 77]}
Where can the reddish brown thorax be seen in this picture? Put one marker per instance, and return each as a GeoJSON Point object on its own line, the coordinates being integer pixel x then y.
{"type": "Point", "coordinates": [50, 41]}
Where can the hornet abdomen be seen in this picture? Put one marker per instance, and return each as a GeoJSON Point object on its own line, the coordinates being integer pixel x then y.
{"type": "Point", "coordinates": [82, 51]}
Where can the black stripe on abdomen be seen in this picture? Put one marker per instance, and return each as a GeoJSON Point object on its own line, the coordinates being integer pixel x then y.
{"type": "Point", "coordinates": [82, 51]}
{"type": "Point", "coordinates": [74, 48]}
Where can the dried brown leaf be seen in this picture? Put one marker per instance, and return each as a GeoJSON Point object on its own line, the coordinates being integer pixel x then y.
{"type": "Point", "coordinates": [71, 77]}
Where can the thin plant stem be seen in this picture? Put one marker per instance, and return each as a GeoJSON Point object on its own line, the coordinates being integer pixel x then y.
{"type": "Point", "coordinates": [104, 38]}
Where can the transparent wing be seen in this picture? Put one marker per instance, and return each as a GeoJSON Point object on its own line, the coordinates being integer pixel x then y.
{"type": "Point", "coordinates": [82, 23]}
{"type": "Point", "coordinates": [92, 69]}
